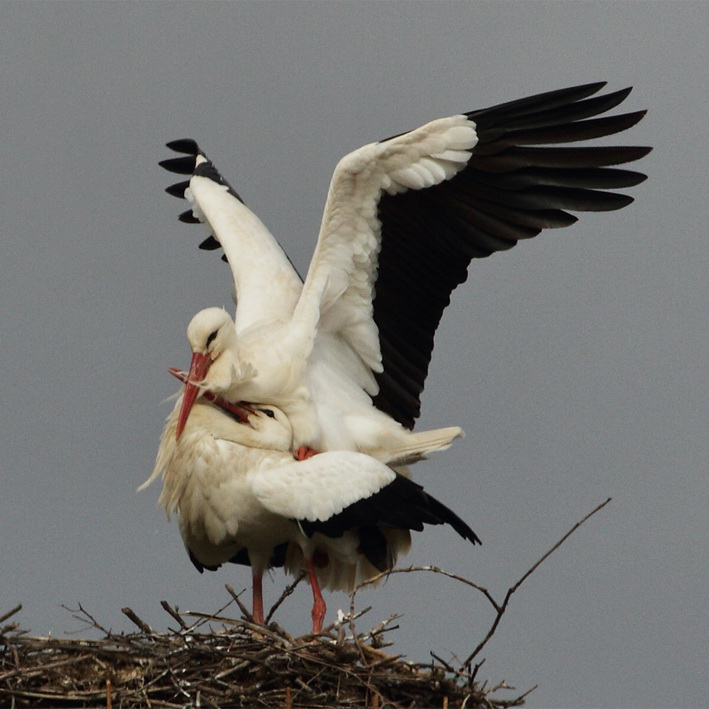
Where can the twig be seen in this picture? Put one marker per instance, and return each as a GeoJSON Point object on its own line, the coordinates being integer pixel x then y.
{"type": "Point", "coordinates": [140, 623]}
{"type": "Point", "coordinates": [244, 610]}
{"type": "Point", "coordinates": [432, 569]}
{"type": "Point", "coordinates": [500, 608]}
{"type": "Point", "coordinates": [174, 614]}
{"type": "Point", "coordinates": [9, 614]}
{"type": "Point", "coordinates": [531, 570]}
{"type": "Point", "coordinates": [557, 545]}
{"type": "Point", "coordinates": [287, 592]}
{"type": "Point", "coordinates": [85, 617]}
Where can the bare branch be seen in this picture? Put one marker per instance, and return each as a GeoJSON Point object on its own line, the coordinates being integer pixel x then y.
{"type": "Point", "coordinates": [140, 623]}
{"type": "Point", "coordinates": [557, 545]}
{"type": "Point", "coordinates": [525, 576]}
{"type": "Point", "coordinates": [173, 612]}
{"type": "Point", "coordinates": [9, 614]}
{"type": "Point", "coordinates": [287, 592]}
{"type": "Point", "coordinates": [244, 610]}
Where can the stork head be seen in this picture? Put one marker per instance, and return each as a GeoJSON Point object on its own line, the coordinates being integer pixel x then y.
{"type": "Point", "coordinates": [269, 428]}
{"type": "Point", "coordinates": [210, 333]}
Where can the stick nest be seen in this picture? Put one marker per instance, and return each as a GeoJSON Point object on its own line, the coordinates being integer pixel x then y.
{"type": "Point", "coordinates": [211, 660]}
{"type": "Point", "coordinates": [236, 664]}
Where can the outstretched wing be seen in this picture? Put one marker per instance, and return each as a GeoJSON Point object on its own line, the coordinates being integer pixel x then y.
{"type": "Point", "coordinates": [257, 261]}
{"type": "Point", "coordinates": [339, 288]}
{"type": "Point", "coordinates": [510, 189]}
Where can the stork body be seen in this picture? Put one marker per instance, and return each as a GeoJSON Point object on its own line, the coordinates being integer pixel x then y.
{"type": "Point", "coordinates": [345, 353]}
{"type": "Point", "coordinates": [240, 496]}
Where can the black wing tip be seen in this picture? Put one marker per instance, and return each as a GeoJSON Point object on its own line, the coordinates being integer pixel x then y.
{"type": "Point", "coordinates": [620, 94]}
{"type": "Point", "coordinates": [473, 538]}
{"type": "Point", "coordinates": [595, 86]}
{"type": "Point", "coordinates": [619, 201]}
{"type": "Point", "coordinates": [184, 145]}
{"type": "Point", "coordinates": [624, 121]}
{"type": "Point", "coordinates": [188, 217]}
{"type": "Point", "coordinates": [198, 564]}
{"type": "Point", "coordinates": [182, 166]}
{"type": "Point", "coordinates": [578, 92]}
{"type": "Point", "coordinates": [178, 189]}
{"type": "Point", "coordinates": [210, 244]}
{"type": "Point", "coordinates": [642, 150]}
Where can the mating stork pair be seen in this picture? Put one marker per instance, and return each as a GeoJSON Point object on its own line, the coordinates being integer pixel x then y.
{"type": "Point", "coordinates": [289, 443]}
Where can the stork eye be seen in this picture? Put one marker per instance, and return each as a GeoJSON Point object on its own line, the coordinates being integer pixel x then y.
{"type": "Point", "coordinates": [211, 337]}
{"type": "Point", "coordinates": [269, 412]}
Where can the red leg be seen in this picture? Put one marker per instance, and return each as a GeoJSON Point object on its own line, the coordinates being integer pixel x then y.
{"type": "Point", "coordinates": [319, 608]}
{"type": "Point", "coordinates": [304, 452]}
{"type": "Point", "coordinates": [257, 597]}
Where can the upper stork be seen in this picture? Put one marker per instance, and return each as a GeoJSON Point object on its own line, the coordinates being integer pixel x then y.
{"type": "Point", "coordinates": [345, 353]}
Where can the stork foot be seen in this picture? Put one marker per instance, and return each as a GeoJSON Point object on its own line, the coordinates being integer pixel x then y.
{"type": "Point", "coordinates": [304, 452]}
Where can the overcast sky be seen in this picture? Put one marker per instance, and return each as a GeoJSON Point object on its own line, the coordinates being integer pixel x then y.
{"type": "Point", "coordinates": [577, 363]}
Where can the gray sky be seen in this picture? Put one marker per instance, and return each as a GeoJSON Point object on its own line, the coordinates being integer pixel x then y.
{"type": "Point", "coordinates": [576, 363]}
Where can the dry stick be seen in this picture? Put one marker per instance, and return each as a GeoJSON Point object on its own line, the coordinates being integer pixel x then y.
{"type": "Point", "coordinates": [244, 610]}
{"type": "Point", "coordinates": [520, 700]}
{"type": "Point", "coordinates": [203, 618]}
{"type": "Point", "coordinates": [499, 608]}
{"type": "Point", "coordinates": [174, 614]}
{"type": "Point", "coordinates": [376, 639]}
{"type": "Point", "coordinates": [531, 570]}
{"type": "Point", "coordinates": [287, 592]}
{"type": "Point", "coordinates": [432, 569]}
{"type": "Point", "coordinates": [140, 623]}
{"type": "Point", "coordinates": [9, 614]}
{"type": "Point", "coordinates": [353, 616]}
{"type": "Point", "coordinates": [247, 624]}
{"type": "Point", "coordinates": [82, 615]}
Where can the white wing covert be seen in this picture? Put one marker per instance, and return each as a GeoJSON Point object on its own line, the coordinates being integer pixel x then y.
{"type": "Point", "coordinates": [322, 486]}
{"type": "Point", "coordinates": [339, 289]}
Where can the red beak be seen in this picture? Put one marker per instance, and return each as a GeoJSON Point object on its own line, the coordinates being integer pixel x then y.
{"type": "Point", "coordinates": [240, 411]}
{"type": "Point", "coordinates": [198, 371]}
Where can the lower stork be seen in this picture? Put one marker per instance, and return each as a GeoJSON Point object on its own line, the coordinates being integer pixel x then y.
{"type": "Point", "coordinates": [242, 497]}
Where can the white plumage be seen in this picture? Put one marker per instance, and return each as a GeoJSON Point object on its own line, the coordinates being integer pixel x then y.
{"type": "Point", "coordinates": [345, 354]}
{"type": "Point", "coordinates": [241, 496]}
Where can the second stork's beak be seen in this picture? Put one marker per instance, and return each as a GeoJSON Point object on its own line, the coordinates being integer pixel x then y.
{"type": "Point", "coordinates": [198, 371]}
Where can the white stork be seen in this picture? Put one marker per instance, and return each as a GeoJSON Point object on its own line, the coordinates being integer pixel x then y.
{"type": "Point", "coordinates": [241, 497]}
{"type": "Point", "coordinates": [346, 353]}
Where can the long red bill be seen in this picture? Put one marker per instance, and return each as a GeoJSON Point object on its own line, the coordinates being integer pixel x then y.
{"type": "Point", "coordinates": [198, 371]}
{"type": "Point", "coordinates": [239, 411]}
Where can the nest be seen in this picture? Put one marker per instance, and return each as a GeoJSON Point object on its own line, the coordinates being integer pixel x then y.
{"type": "Point", "coordinates": [211, 660]}
{"type": "Point", "coordinates": [237, 664]}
